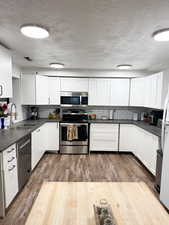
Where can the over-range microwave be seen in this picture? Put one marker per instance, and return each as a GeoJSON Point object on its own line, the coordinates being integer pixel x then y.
{"type": "Point", "coordinates": [74, 98]}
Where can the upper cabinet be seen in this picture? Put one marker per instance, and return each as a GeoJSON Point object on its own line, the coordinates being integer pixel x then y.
{"type": "Point", "coordinates": [74, 84]}
{"type": "Point", "coordinates": [149, 91]}
{"type": "Point", "coordinates": [109, 92]}
{"type": "Point", "coordinates": [99, 91]}
{"type": "Point", "coordinates": [40, 90]}
{"type": "Point", "coordinates": [119, 92]}
{"type": "Point", "coordinates": [54, 90]}
{"type": "Point", "coordinates": [5, 73]}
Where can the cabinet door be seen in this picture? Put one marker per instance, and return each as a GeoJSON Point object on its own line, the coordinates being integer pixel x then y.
{"type": "Point", "coordinates": [146, 151]}
{"type": "Point", "coordinates": [99, 91]}
{"type": "Point", "coordinates": [36, 149]}
{"type": "Point", "coordinates": [54, 90]}
{"type": "Point", "coordinates": [10, 174]}
{"type": "Point", "coordinates": [104, 137]}
{"type": "Point", "coordinates": [53, 136]}
{"type": "Point", "coordinates": [119, 92]}
{"type": "Point", "coordinates": [5, 73]}
{"type": "Point", "coordinates": [127, 138]}
{"type": "Point", "coordinates": [74, 84]}
{"type": "Point", "coordinates": [28, 90]}
{"type": "Point", "coordinates": [137, 95]}
{"type": "Point", "coordinates": [42, 96]}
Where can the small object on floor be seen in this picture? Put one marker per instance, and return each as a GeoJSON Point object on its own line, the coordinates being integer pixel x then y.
{"type": "Point", "coordinates": [103, 213]}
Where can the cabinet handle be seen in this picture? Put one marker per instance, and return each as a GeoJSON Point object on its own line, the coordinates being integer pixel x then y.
{"type": "Point", "coordinates": [12, 168]}
{"type": "Point", "coordinates": [38, 130]}
{"type": "Point", "coordinates": [9, 151]}
{"type": "Point", "coordinates": [48, 100]}
{"type": "Point", "coordinates": [1, 90]}
{"type": "Point", "coordinates": [10, 160]}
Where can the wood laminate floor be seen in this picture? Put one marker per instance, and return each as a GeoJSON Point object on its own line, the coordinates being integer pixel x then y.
{"type": "Point", "coordinates": [96, 167]}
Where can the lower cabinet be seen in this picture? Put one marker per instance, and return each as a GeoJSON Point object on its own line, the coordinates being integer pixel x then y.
{"type": "Point", "coordinates": [143, 144]}
{"type": "Point", "coordinates": [10, 174]}
{"type": "Point", "coordinates": [104, 137]}
{"type": "Point", "coordinates": [45, 138]}
{"type": "Point", "coordinates": [38, 144]}
{"type": "Point", "coordinates": [52, 136]}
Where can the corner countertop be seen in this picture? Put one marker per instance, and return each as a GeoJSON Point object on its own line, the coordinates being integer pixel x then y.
{"type": "Point", "coordinates": [150, 128]}
{"type": "Point", "coordinates": [18, 131]}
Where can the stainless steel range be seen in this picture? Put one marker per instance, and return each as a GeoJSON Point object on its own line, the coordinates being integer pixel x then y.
{"type": "Point", "coordinates": [74, 132]}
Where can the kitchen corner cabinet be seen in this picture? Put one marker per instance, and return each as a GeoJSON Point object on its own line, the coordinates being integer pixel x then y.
{"type": "Point", "coordinates": [149, 91]}
{"type": "Point", "coordinates": [109, 92]}
{"type": "Point", "coordinates": [5, 73]}
{"type": "Point", "coordinates": [74, 84]}
{"type": "Point", "coordinates": [104, 137]}
{"type": "Point", "coordinates": [143, 144]}
{"type": "Point", "coordinates": [10, 174]}
{"type": "Point", "coordinates": [40, 90]}
{"type": "Point", "coordinates": [52, 136]}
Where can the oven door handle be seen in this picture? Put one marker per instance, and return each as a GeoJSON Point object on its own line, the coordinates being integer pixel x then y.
{"type": "Point", "coordinates": [71, 124]}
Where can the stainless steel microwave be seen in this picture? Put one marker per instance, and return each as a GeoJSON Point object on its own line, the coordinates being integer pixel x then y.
{"type": "Point", "coordinates": [74, 98]}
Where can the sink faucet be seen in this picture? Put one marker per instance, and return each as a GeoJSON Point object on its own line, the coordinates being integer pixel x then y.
{"type": "Point", "coordinates": [11, 114]}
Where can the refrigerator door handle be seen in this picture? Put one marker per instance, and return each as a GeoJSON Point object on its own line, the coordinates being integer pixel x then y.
{"type": "Point", "coordinates": [166, 104]}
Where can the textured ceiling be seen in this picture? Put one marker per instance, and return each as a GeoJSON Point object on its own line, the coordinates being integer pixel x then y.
{"type": "Point", "coordinates": [92, 34]}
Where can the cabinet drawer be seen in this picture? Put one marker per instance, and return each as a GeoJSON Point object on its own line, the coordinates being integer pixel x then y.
{"type": "Point", "coordinates": [11, 183]}
{"type": "Point", "coordinates": [103, 126]}
{"type": "Point", "coordinates": [10, 174]}
{"type": "Point", "coordinates": [9, 156]}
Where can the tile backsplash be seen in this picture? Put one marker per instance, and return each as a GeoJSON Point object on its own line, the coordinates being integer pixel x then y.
{"type": "Point", "coordinates": [121, 114]}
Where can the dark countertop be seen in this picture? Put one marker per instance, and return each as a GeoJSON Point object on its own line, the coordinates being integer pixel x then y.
{"type": "Point", "coordinates": [150, 128]}
{"type": "Point", "coordinates": [21, 129]}
{"type": "Point", "coordinates": [18, 131]}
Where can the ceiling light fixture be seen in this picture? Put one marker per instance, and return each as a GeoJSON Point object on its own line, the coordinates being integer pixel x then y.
{"type": "Point", "coordinates": [124, 67]}
{"type": "Point", "coordinates": [34, 31]}
{"type": "Point", "coordinates": [57, 65]}
{"type": "Point", "coordinates": [161, 35]}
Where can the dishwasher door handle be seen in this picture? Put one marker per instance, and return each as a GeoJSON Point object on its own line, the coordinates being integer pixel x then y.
{"type": "Point", "coordinates": [24, 144]}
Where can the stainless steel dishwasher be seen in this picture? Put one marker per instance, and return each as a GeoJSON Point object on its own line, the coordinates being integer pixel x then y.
{"type": "Point", "coordinates": [24, 160]}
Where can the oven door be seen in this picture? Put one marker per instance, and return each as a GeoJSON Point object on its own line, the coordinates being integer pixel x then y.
{"type": "Point", "coordinates": [82, 134]}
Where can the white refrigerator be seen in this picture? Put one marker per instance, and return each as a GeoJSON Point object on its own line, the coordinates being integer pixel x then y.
{"type": "Point", "coordinates": [164, 190]}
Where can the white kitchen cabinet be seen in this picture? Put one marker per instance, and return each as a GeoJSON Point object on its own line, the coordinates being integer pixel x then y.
{"type": "Point", "coordinates": [104, 137]}
{"type": "Point", "coordinates": [119, 92]}
{"type": "Point", "coordinates": [54, 90]}
{"type": "Point", "coordinates": [127, 137]}
{"type": "Point", "coordinates": [38, 145]}
{"type": "Point", "coordinates": [149, 91]}
{"type": "Point", "coordinates": [10, 174]}
{"type": "Point", "coordinates": [147, 145]}
{"type": "Point", "coordinates": [99, 91]}
{"type": "Point", "coordinates": [74, 84]}
{"type": "Point", "coordinates": [34, 89]}
{"type": "Point", "coordinates": [52, 136]}
{"type": "Point", "coordinates": [5, 73]}
{"type": "Point", "coordinates": [42, 90]}
{"type": "Point", "coordinates": [137, 95]}
{"type": "Point", "coordinates": [28, 89]}
{"type": "Point", "coordinates": [142, 143]}
{"type": "Point", "coordinates": [109, 92]}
